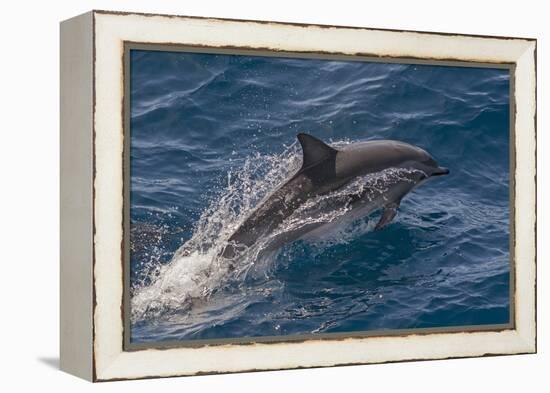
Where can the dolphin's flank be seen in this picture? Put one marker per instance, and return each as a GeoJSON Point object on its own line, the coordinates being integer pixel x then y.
{"type": "Point", "coordinates": [326, 169]}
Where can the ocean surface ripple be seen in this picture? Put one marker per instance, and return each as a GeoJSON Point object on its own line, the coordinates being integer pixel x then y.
{"type": "Point", "coordinates": [213, 135]}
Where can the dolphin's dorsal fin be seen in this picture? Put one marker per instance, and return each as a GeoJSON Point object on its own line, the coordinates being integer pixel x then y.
{"type": "Point", "coordinates": [314, 150]}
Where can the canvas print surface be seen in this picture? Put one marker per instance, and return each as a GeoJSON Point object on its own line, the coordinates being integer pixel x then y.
{"type": "Point", "coordinates": [283, 196]}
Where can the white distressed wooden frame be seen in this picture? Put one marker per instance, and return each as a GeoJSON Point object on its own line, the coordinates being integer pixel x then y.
{"type": "Point", "coordinates": [92, 143]}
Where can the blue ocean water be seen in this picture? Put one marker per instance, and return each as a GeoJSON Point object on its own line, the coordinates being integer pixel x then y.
{"type": "Point", "coordinates": [212, 134]}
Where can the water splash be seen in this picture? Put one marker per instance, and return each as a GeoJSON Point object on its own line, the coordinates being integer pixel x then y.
{"type": "Point", "coordinates": [196, 270]}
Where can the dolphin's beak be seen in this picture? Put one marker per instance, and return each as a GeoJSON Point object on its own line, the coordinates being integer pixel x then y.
{"type": "Point", "coordinates": [440, 171]}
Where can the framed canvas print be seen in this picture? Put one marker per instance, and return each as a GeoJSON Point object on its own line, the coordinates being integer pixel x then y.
{"type": "Point", "coordinates": [246, 195]}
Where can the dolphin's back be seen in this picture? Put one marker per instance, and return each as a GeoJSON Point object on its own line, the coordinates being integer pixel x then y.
{"type": "Point", "coordinates": [373, 156]}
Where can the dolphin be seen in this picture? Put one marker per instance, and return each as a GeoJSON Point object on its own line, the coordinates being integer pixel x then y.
{"type": "Point", "coordinates": [326, 169]}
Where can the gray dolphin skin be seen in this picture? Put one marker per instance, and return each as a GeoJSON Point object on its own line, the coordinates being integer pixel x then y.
{"type": "Point", "coordinates": [326, 169]}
